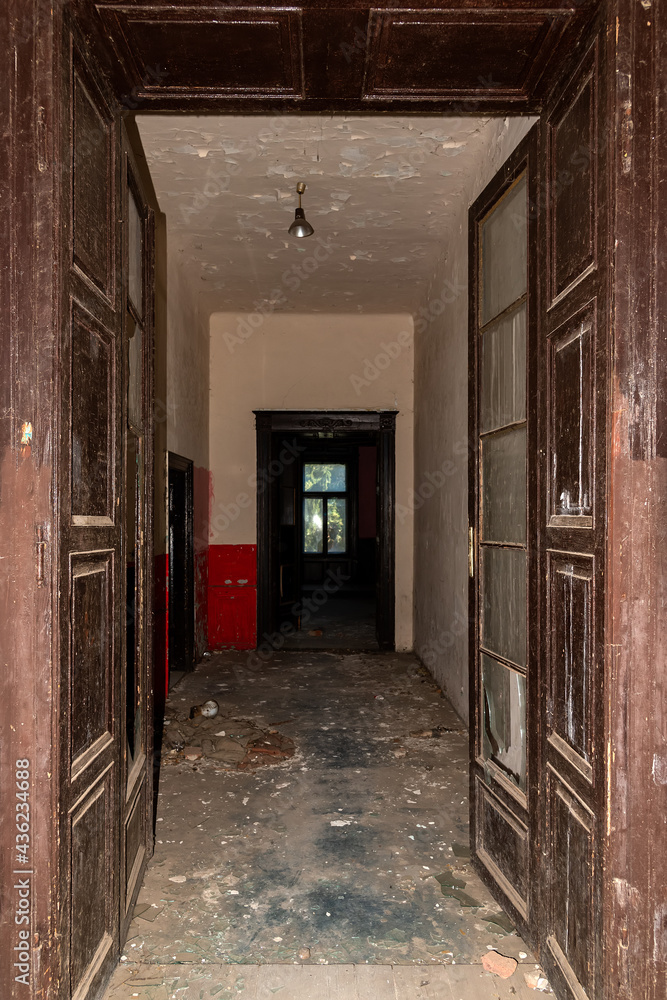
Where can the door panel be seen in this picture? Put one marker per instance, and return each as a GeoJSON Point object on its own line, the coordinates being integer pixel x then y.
{"type": "Point", "coordinates": [90, 536]}
{"type": "Point", "coordinates": [502, 517]}
{"type": "Point", "coordinates": [104, 825]}
{"type": "Point", "coordinates": [137, 252]}
{"type": "Point", "coordinates": [93, 437]}
{"type": "Point", "coordinates": [572, 527]}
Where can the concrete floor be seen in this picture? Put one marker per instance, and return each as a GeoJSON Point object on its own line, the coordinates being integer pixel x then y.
{"type": "Point", "coordinates": [343, 622]}
{"type": "Point", "coordinates": [315, 875]}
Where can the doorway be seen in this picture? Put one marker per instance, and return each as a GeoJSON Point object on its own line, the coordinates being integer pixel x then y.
{"type": "Point", "coordinates": [327, 544]}
{"type": "Point", "coordinates": [588, 827]}
{"type": "Point", "coordinates": [325, 532]}
{"type": "Point", "coordinates": [181, 574]}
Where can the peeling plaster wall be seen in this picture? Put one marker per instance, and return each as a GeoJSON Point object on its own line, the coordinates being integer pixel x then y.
{"type": "Point", "coordinates": [306, 362]}
{"type": "Point", "coordinates": [186, 413]}
{"type": "Point", "coordinates": [441, 440]}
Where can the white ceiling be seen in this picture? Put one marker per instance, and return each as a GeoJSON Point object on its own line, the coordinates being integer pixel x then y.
{"type": "Point", "coordinates": [382, 194]}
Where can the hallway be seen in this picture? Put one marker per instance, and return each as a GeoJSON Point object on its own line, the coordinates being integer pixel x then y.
{"type": "Point", "coordinates": [352, 852]}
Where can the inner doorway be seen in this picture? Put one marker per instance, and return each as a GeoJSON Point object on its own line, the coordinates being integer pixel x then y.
{"type": "Point", "coordinates": [181, 565]}
{"type": "Point", "coordinates": [327, 543]}
{"type": "Point", "coordinates": [325, 535]}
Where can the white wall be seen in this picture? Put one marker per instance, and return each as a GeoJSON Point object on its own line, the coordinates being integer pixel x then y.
{"type": "Point", "coordinates": [441, 441]}
{"type": "Point", "coordinates": [187, 369]}
{"type": "Point", "coordinates": [307, 362]}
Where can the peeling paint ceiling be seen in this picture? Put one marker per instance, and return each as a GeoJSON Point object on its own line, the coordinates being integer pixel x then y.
{"type": "Point", "coordinates": [382, 195]}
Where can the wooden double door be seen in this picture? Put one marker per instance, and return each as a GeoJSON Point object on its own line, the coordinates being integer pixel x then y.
{"type": "Point", "coordinates": [568, 753]}
{"type": "Point", "coordinates": [105, 530]}
{"type": "Point", "coordinates": [539, 316]}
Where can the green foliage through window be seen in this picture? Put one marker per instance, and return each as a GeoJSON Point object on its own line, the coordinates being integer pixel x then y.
{"type": "Point", "coordinates": [324, 515]}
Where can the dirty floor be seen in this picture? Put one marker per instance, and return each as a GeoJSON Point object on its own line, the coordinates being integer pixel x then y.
{"type": "Point", "coordinates": [338, 867]}
{"type": "Point", "coordinates": [343, 622]}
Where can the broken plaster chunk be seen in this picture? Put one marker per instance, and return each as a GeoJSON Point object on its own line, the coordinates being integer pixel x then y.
{"type": "Point", "coordinates": [537, 981]}
{"type": "Point", "coordinates": [499, 965]}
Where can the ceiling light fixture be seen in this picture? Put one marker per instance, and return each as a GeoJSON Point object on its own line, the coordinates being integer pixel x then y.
{"type": "Point", "coordinates": [300, 226]}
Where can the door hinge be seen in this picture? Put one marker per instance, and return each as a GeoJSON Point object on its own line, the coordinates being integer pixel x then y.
{"type": "Point", "coordinates": [40, 542]}
{"type": "Point", "coordinates": [471, 552]}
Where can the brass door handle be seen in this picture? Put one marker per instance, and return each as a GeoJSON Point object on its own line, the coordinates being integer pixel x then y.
{"type": "Point", "coordinates": [471, 552]}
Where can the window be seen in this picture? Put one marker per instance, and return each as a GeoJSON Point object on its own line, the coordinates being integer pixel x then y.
{"type": "Point", "coordinates": [324, 508]}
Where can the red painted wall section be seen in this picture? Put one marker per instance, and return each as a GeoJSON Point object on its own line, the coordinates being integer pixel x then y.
{"type": "Point", "coordinates": [201, 493]}
{"type": "Point", "coordinates": [160, 623]}
{"type": "Point", "coordinates": [232, 597]}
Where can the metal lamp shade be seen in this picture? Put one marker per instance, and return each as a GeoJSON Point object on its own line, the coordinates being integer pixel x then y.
{"type": "Point", "coordinates": [300, 226]}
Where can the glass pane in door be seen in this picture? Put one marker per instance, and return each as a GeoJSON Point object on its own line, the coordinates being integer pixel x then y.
{"type": "Point", "coordinates": [336, 524]}
{"type": "Point", "coordinates": [503, 375]}
{"type": "Point", "coordinates": [503, 499]}
{"type": "Point", "coordinates": [323, 477]}
{"type": "Point", "coordinates": [504, 733]}
{"type": "Point", "coordinates": [313, 524]}
{"type": "Point", "coordinates": [503, 583]}
{"type": "Point", "coordinates": [503, 253]}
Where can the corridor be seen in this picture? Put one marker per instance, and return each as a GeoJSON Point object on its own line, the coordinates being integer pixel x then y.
{"type": "Point", "coordinates": [334, 865]}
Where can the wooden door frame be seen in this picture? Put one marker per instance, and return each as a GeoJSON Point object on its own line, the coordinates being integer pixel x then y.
{"type": "Point", "coordinates": [383, 423]}
{"type": "Point", "coordinates": [31, 300]}
{"type": "Point", "coordinates": [186, 465]}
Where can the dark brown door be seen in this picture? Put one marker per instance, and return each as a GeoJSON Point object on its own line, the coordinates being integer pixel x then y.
{"type": "Point", "coordinates": [502, 518]}
{"type": "Point", "coordinates": [572, 351]}
{"type": "Point", "coordinates": [137, 250]}
{"type": "Point", "coordinates": [105, 503]}
{"type": "Point", "coordinates": [538, 522]}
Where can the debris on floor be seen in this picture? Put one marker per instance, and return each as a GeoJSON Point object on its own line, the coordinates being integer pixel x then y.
{"type": "Point", "coordinates": [501, 920]}
{"type": "Point", "coordinates": [434, 733]}
{"type": "Point", "coordinates": [240, 744]}
{"type": "Point", "coordinates": [209, 709]}
{"type": "Point", "coordinates": [341, 853]}
{"type": "Point", "coordinates": [536, 980]}
{"type": "Point", "coordinates": [499, 965]}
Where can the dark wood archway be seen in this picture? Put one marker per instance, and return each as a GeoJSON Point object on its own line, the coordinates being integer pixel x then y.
{"type": "Point", "coordinates": [382, 424]}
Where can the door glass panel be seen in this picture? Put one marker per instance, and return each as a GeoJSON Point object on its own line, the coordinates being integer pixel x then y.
{"type": "Point", "coordinates": [135, 241]}
{"type": "Point", "coordinates": [504, 486]}
{"type": "Point", "coordinates": [323, 478]}
{"type": "Point", "coordinates": [503, 375]}
{"type": "Point", "coordinates": [504, 717]}
{"type": "Point", "coordinates": [313, 524]}
{"type": "Point", "coordinates": [503, 253]}
{"type": "Point", "coordinates": [503, 599]}
{"type": "Point", "coordinates": [336, 524]}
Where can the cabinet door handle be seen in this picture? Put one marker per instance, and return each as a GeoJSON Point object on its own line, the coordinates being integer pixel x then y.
{"type": "Point", "coordinates": [471, 552]}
